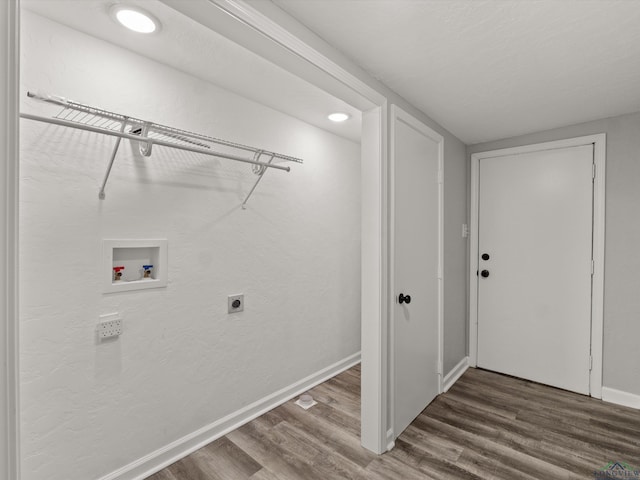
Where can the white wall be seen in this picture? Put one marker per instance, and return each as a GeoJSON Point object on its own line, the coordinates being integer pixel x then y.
{"type": "Point", "coordinates": [621, 356]}
{"type": "Point", "coordinates": [182, 362]}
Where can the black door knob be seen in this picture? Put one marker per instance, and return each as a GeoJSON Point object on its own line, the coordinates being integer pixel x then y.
{"type": "Point", "coordinates": [404, 298]}
{"type": "Point", "coordinates": [484, 273]}
{"type": "Point", "coordinates": [485, 256]}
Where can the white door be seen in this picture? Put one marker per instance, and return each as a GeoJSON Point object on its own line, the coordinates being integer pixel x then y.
{"type": "Point", "coordinates": [534, 258]}
{"type": "Point", "coordinates": [416, 161]}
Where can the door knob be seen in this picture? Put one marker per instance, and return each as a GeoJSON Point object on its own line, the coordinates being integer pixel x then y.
{"type": "Point", "coordinates": [484, 273]}
{"type": "Point", "coordinates": [485, 256]}
{"type": "Point", "coordinates": [404, 299]}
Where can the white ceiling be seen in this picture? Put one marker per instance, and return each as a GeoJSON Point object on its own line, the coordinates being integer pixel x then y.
{"type": "Point", "coordinates": [491, 69]}
{"type": "Point", "coordinates": [195, 49]}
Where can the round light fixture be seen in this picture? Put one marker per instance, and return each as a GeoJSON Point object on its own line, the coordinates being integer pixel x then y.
{"type": "Point", "coordinates": [135, 19]}
{"type": "Point", "coordinates": [338, 117]}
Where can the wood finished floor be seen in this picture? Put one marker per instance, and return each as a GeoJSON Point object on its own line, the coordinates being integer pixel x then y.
{"type": "Point", "coordinates": [487, 426]}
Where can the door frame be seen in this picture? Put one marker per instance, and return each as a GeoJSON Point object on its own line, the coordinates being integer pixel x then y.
{"type": "Point", "coordinates": [9, 137]}
{"type": "Point", "coordinates": [597, 293]}
{"type": "Point", "coordinates": [399, 115]}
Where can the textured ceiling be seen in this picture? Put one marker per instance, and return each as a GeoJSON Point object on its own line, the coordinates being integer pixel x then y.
{"type": "Point", "coordinates": [195, 49]}
{"type": "Point", "coordinates": [490, 69]}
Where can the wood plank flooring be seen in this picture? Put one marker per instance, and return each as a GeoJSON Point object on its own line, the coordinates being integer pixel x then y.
{"type": "Point", "coordinates": [487, 426]}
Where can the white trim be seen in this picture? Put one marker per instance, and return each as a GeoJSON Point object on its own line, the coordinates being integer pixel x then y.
{"type": "Point", "coordinates": [275, 32]}
{"type": "Point", "coordinates": [619, 397]}
{"type": "Point", "coordinates": [391, 441]}
{"type": "Point", "coordinates": [398, 114]}
{"type": "Point", "coordinates": [374, 311]}
{"type": "Point", "coordinates": [9, 141]}
{"type": "Point", "coordinates": [474, 214]}
{"type": "Point", "coordinates": [391, 295]}
{"type": "Point", "coordinates": [540, 147]}
{"type": "Point", "coordinates": [440, 139]}
{"type": "Point", "coordinates": [597, 298]}
{"type": "Point", "coordinates": [455, 373]}
{"type": "Point", "coordinates": [165, 456]}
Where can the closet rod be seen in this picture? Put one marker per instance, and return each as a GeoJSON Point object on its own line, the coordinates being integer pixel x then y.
{"type": "Point", "coordinates": [148, 140]}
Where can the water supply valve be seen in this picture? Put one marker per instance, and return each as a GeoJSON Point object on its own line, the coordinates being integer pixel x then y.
{"type": "Point", "coordinates": [117, 273]}
{"type": "Point", "coordinates": [146, 269]}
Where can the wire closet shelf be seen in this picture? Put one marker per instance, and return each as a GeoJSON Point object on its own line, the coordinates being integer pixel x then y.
{"type": "Point", "coordinates": [85, 117]}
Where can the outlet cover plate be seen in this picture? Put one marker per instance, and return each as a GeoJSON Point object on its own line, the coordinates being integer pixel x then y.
{"type": "Point", "coordinates": [110, 325]}
{"type": "Point", "coordinates": [230, 303]}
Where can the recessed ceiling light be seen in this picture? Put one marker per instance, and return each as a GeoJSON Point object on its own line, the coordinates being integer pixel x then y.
{"type": "Point", "coordinates": [338, 117]}
{"type": "Point", "coordinates": [135, 19]}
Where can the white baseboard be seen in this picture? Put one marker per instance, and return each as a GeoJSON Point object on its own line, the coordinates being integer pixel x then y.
{"type": "Point", "coordinates": [455, 373]}
{"type": "Point", "coordinates": [165, 456]}
{"type": "Point", "coordinates": [391, 442]}
{"type": "Point", "coordinates": [619, 397]}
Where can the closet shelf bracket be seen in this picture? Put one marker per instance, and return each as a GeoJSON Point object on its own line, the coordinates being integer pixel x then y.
{"type": "Point", "coordinates": [258, 170]}
{"type": "Point", "coordinates": [147, 134]}
{"type": "Point", "coordinates": [145, 147]}
{"type": "Point", "coordinates": [101, 194]}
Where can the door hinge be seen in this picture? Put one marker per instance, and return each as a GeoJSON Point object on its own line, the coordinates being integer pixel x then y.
{"type": "Point", "coordinates": [593, 171]}
{"type": "Point", "coordinates": [590, 363]}
{"type": "Point", "coordinates": [593, 267]}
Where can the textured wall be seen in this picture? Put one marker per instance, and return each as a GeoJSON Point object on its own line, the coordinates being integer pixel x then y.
{"type": "Point", "coordinates": [621, 356]}
{"type": "Point", "coordinates": [182, 362]}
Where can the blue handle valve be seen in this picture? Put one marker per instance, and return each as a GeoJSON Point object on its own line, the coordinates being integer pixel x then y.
{"type": "Point", "coordinates": [147, 271]}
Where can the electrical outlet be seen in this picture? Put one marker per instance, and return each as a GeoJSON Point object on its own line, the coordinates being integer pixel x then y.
{"type": "Point", "coordinates": [110, 325]}
{"type": "Point", "coordinates": [235, 303]}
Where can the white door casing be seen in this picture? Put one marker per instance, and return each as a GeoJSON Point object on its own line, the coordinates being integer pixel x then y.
{"type": "Point", "coordinates": [535, 233]}
{"type": "Point", "coordinates": [9, 84]}
{"type": "Point", "coordinates": [417, 243]}
{"type": "Point", "coordinates": [530, 270]}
